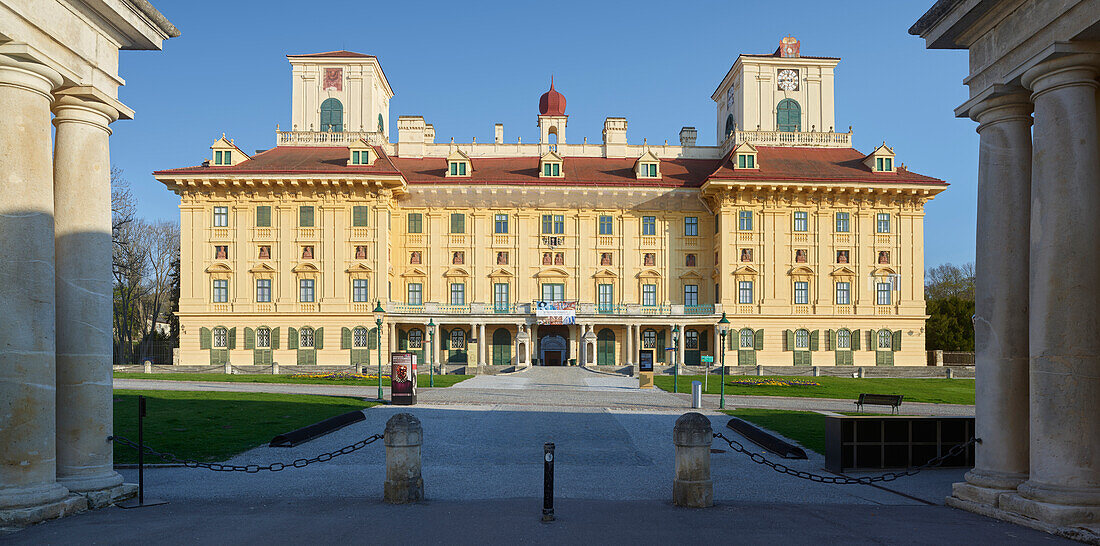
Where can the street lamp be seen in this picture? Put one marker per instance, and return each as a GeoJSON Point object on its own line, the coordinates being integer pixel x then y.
{"type": "Point", "coordinates": [723, 329]}
{"type": "Point", "coordinates": [675, 355]}
{"type": "Point", "coordinates": [431, 350]}
{"type": "Point", "coordinates": [378, 314]}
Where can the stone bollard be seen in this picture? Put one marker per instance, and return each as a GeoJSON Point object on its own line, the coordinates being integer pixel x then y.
{"type": "Point", "coordinates": [950, 373]}
{"type": "Point", "coordinates": [228, 368]}
{"type": "Point", "coordinates": [274, 368]}
{"type": "Point", "coordinates": [759, 370]}
{"type": "Point", "coordinates": [859, 372]}
{"type": "Point", "coordinates": [816, 372]}
{"type": "Point", "coordinates": [692, 486]}
{"type": "Point", "coordinates": [148, 366]}
{"type": "Point", "coordinates": [403, 437]}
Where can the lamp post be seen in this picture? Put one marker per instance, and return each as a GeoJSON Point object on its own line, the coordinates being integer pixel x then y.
{"type": "Point", "coordinates": [723, 329]}
{"type": "Point", "coordinates": [675, 356]}
{"type": "Point", "coordinates": [431, 350]}
{"type": "Point", "coordinates": [378, 314]}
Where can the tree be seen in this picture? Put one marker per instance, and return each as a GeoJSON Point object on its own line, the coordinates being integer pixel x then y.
{"type": "Point", "coordinates": [949, 280]}
{"type": "Point", "coordinates": [161, 242]}
{"type": "Point", "coordinates": [949, 290]}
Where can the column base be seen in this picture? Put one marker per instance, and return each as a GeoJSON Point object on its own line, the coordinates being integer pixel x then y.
{"type": "Point", "coordinates": [91, 484]}
{"type": "Point", "coordinates": [1056, 514]}
{"type": "Point", "coordinates": [38, 495]}
{"type": "Point", "coordinates": [27, 515]}
{"type": "Point", "coordinates": [103, 498]}
{"type": "Point", "coordinates": [1089, 534]}
{"type": "Point", "coordinates": [970, 492]}
{"type": "Point", "coordinates": [693, 494]}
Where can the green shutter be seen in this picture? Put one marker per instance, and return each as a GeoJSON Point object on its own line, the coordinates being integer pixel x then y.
{"type": "Point", "coordinates": [249, 338]}
{"type": "Point", "coordinates": [372, 338]}
{"type": "Point", "coordinates": [872, 341]}
{"type": "Point", "coordinates": [319, 338]}
{"type": "Point", "coordinates": [359, 216]}
{"type": "Point", "coordinates": [233, 338]}
{"type": "Point", "coordinates": [703, 344]}
{"type": "Point", "coordinates": [855, 340]}
{"type": "Point", "coordinates": [402, 340]}
{"type": "Point", "coordinates": [758, 340]}
{"type": "Point", "coordinates": [788, 340]}
{"type": "Point", "coordinates": [204, 338]}
{"type": "Point", "coordinates": [305, 216]}
{"type": "Point", "coordinates": [263, 216]}
{"type": "Point", "coordinates": [661, 357]}
{"type": "Point", "coordinates": [746, 357]}
{"type": "Point", "coordinates": [815, 340]}
{"type": "Point", "coordinates": [292, 338]}
{"type": "Point", "coordinates": [895, 341]}
{"type": "Point", "coordinates": [828, 340]}
{"type": "Point", "coordinates": [274, 338]}
{"type": "Point", "coordinates": [345, 339]}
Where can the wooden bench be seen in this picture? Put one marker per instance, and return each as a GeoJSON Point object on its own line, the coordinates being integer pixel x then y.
{"type": "Point", "coordinates": [892, 400]}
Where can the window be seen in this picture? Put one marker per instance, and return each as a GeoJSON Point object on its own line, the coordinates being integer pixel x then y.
{"type": "Point", "coordinates": [458, 168]}
{"type": "Point", "coordinates": [801, 339]}
{"type": "Point", "coordinates": [263, 290]}
{"type": "Point", "coordinates": [221, 216]}
{"type": "Point", "coordinates": [305, 290]}
{"type": "Point", "coordinates": [221, 338]}
{"type": "Point", "coordinates": [458, 222]}
{"type": "Point", "coordinates": [649, 225]}
{"type": "Point", "coordinates": [882, 293]}
{"type": "Point", "coordinates": [221, 291]}
{"type": "Point", "coordinates": [359, 337]}
{"type": "Point", "coordinates": [415, 222]}
{"type": "Point", "coordinates": [691, 226]}
{"type": "Point", "coordinates": [882, 223]}
{"type": "Point", "coordinates": [263, 337]}
{"type": "Point", "coordinates": [691, 294]}
{"type": "Point", "coordinates": [744, 292]}
{"type": "Point", "coordinates": [843, 293]}
{"type": "Point", "coordinates": [223, 158]}
{"type": "Point", "coordinates": [744, 220]}
{"type": "Point", "coordinates": [458, 293]}
{"type": "Point", "coordinates": [649, 338]}
{"type": "Point", "coordinates": [359, 290]}
{"type": "Point", "coordinates": [606, 295]}
{"type": "Point", "coordinates": [551, 169]}
{"type": "Point", "coordinates": [416, 338]}
{"type": "Point", "coordinates": [691, 339]}
{"type": "Point", "coordinates": [788, 116]}
{"type": "Point", "coordinates": [801, 293]}
{"type": "Point", "coordinates": [332, 116]}
{"type": "Point", "coordinates": [843, 339]}
{"type": "Point", "coordinates": [553, 223]}
{"type": "Point", "coordinates": [359, 216]}
{"type": "Point", "coordinates": [263, 216]}
{"type": "Point", "coordinates": [553, 292]}
{"type": "Point", "coordinates": [218, 159]}
{"type": "Point", "coordinates": [842, 222]}
{"type": "Point", "coordinates": [305, 338]}
{"type": "Point", "coordinates": [360, 157]}
{"type": "Point", "coordinates": [649, 294]}
{"type": "Point", "coordinates": [500, 222]}
{"type": "Point", "coordinates": [746, 161]}
{"type": "Point", "coordinates": [800, 221]}
{"type": "Point", "coordinates": [305, 216]}
{"type": "Point", "coordinates": [746, 336]}
{"type": "Point", "coordinates": [415, 294]}
{"type": "Point", "coordinates": [458, 339]}
{"type": "Point", "coordinates": [500, 296]}
{"type": "Point", "coordinates": [885, 340]}
{"type": "Point", "coordinates": [605, 225]}
{"type": "Point", "coordinates": [882, 164]}
{"type": "Point", "coordinates": [649, 170]}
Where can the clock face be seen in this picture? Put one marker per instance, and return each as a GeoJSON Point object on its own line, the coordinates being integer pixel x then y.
{"type": "Point", "coordinates": [788, 79]}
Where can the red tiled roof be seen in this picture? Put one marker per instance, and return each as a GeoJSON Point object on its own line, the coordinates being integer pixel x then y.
{"type": "Point", "coordinates": [777, 55]}
{"type": "Point", "coordinates": [776, 164]}
{"type": "Point", "coordinates": [339, 53]}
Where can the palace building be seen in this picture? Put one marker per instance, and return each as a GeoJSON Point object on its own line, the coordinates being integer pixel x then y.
{"type": "Point", "coordinates": [813, 250]}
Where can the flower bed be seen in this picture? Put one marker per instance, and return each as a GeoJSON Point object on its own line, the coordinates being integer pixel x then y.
{"type": "Point", "coordinates": [336, 376]}
{"type": "Point", "coordinates": [774, 383]}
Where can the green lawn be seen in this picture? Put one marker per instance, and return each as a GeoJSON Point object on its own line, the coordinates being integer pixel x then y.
{"type": "Point", "coordinates": [805, 427]}
{"type": "Point", "coordinates": [939, 391]}
{"type": "Point", "coordinates": [421, 380]}
{"type": "Point", "coordinates": [213, 426]}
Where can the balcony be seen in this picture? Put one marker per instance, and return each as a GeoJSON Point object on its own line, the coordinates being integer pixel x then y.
{"type": "Point", "coordinates": [502, 240]}
{"type": "Point", "coordinates": [359, 234]}
{"type": "Point", "coordinates": [220, 234]}
{"type": "Point", "coordinates": [265, 307]}
{"type": "Point", "coordinates": [816, 139]}
{"type": "Point", "coordinates": [308, 307]}
{"type": "Point", "coordinates": [456, 239]}
{"type": "Point", "coordinates": [649, 241]}
{"type": "Point", "coordinates": [842, 238]}
{"type": "Point", "coordinates": [553, 241]}
{"type": "Point", "coordinates": [317, 138]}
{"type": "Point", "coordinates": [884, 238]}
{"type": "Point", "coordinates": [800, 237]}
{"type": "Point", "coordinates": [222, 307]}
{"type": "Point", "coordinates": [885, 310]}
{"type": "Point", "coordinates": [690, 242]}
{"type": "Point", "coordinates": [802, 309]}
{"type": "Point", "coordinates": [844, 310]}
{"type": "Point", "coordinates": [746, 237]}
{"type": "Point", "coordinates": [263, 234]}
{"type": "Point", "coordinates": [698, 309]}
{"type": "Point", "coordinates": [308, 234]}
{"type": "Point", "coordinates": [416, 239]}
{"type": "Point", "coordinates": [746, 309]}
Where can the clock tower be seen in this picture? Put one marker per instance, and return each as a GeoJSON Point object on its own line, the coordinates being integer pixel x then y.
{"type": "Point", "coordinates": [781, 91]}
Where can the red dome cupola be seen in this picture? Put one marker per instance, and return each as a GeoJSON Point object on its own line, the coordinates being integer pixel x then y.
{"type": "Point", "coordinates": [552, 103]}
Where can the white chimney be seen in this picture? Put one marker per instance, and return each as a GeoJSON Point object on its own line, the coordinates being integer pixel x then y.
{"type": "Point", "coordinates": [688, 135]}
{"type": "Point", "coordinates": [498, 133]}
{"type": "Point", "coordinates": [614, 137]}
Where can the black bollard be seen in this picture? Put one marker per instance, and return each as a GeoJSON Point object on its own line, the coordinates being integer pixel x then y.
{"type": "Point", "coordinates": [141, 462]}
{"type": "Point", "coordinates": [548, 482]}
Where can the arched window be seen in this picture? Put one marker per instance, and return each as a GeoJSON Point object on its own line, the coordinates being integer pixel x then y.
{"type": "Point", "coordinates": [746, 338]}
{"type": "Point", "coordinates": [263, 337]}
{"type": "Point", "coordinates": [458, 339]}
{"type": "Point", "coordinates": [416, 338]}
{"type": "Point", "coordinates": [605, 347]}
{"type": "Point", "coordinates": [359, 337]}
{"type": "Point", "coordinates": [332, 116]}
{"type": "Point", "coordinates": [691, 339]}
{"type": "Point", "coordinates": [802, 339]}
{"type": "Point", "coordinates": [788, 116]}
{"type": "Point", "coordinates": [729, 125]}
{"type": "Point", "coordinates": [381, 124]}
{"type": "Point", "coordinates": [843, 339]}
{"type": "Point", "coordinates": [884, 339]}
{"type": "Point", "coordinates": [221, 338]}
{"type": "Point", "coordinates": [649, 338]}
{"type": "Point", "coordinates": [306, 338]}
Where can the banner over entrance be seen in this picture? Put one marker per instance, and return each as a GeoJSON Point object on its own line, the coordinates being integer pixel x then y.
{"type": "Point", "coordinates": [556, 312]}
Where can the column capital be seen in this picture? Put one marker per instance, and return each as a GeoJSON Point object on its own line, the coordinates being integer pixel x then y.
{"type": "Point", "coordinates": [1002, 108]}
{"type": "Point", "coordinates": [69, 108]}
{"type": "Point", "coordinates": [1072, 70]}
{"type": "Point", "coordinates": [28, 75]}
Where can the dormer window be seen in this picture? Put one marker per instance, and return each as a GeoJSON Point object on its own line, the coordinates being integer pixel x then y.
{"type": "Point", "coordinates": [649, 170]}
{"type": "Point", "coordinates": [744, 156]}
{"type": "Point", "coordinates": [550, 166]}
{"type": "Point", "coordinates": [226, 154]}
{"type": "Point", "coordinates": [882, 164]}
{"type": "Point", "coordinates": [361, 153]}
{"type": "Point", "coordinates": [458, 168]}
{"type": "Point", "coordinates": [223, 157]}
{"type": "Point", "coordinates": [360, 157]}
{"type": "Point", "coordinates": [881, 160]}
{"type": "Point", "coordinates": [648, 166]}
{"type": "Point", "coordinates": [551, 169]}
{"type": "Point", "coordinates": [458, 164]}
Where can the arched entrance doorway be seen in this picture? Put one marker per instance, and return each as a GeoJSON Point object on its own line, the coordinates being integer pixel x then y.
{"type": "Point", "coordinates": [553, 346]}
{"type": "Point", "coordinates": [502, 347]}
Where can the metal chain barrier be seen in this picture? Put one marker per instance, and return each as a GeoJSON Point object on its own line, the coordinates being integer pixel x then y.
{"type": "Point", "coordinates": [842, 480]}
{"type": "Point", "coordinates": [252, 468]}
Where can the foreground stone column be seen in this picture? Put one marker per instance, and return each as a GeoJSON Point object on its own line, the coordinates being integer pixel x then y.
{"type": "Point", "coordinates": [692, 487]}
{"type": "Point", "coordinates": [1001, 308]}
{"type": "Point", "coordinates": [82, 237]}
{"type": "Point", "coordinates": [403, 437]}
{"type": "Point", "coordinates": [1064, 483]}
{"type": "Point", "coordinates": [27, 369]}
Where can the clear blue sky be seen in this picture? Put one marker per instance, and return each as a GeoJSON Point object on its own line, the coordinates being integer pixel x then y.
{"type": "Point", "coordinates": [465, 66]}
